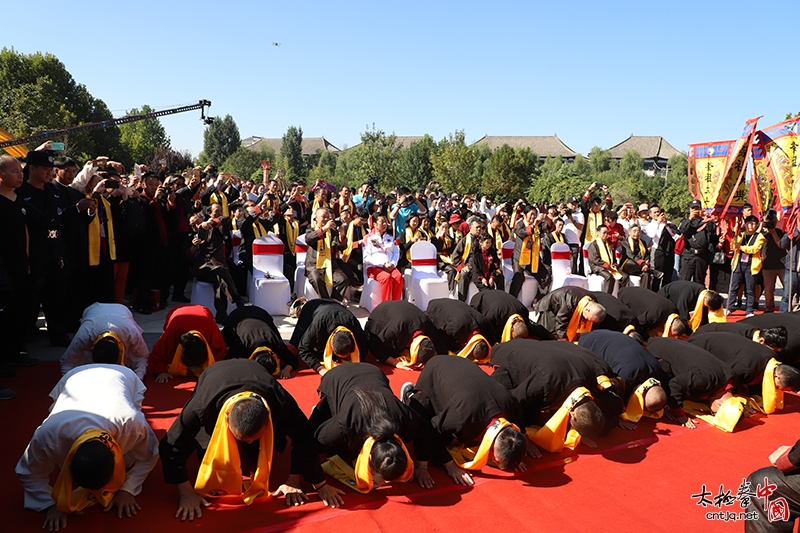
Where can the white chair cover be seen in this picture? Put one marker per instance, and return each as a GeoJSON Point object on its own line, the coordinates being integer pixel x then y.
{"type": "Point", "coordinates": [271, 294]}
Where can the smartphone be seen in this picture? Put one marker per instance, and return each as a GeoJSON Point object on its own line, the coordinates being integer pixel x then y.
{"type": "Point", "coordinates": [112, 184]}
{"type": "Point", "coordinates": [57, 146]}
{"type": "Point", "coordinates": [162, 161]}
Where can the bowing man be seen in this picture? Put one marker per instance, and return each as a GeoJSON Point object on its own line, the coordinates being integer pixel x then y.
{"type": "Point", "coordinates": [506, 316]}
{"type": "Point", "coordinates": [462, 403]}
{"type": "Point", "coordinates": [569, 311]}
{"type": "Point", "coordinates": [190, 343]}
{"type": "Point", "coordinates": [362, 425]}
{"type": "Point", "coordinates": [656, 315]}
{"type": "Point", "coordinates": [696, 304]}
{"type": "Point", "coordinates": [249, 331]}
{"type": "Point", "coordinates": [790, 321]}
{"type": "Point", "coordinates": [460, 330]}
{"type": "Point", "coordinates": [400, 334]}
{"type": "Point", "coordinates": [238, 405]}
{"type": "Point", "coordinates": [107, 334]}
{"type": "Point", "coordinates": [326, 334]}
{"type": "Point", "coordinates": [776, 338]}
{"type": "Point", "coordinates": [97, 435]}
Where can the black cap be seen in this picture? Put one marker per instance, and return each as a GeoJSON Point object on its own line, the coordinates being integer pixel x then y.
{"type": "Point", "coordinates": [572, 200]}
{"type": "Point", "coordinates": [40, 158]}
{"type": "Point", "coordinates": [695, 203]}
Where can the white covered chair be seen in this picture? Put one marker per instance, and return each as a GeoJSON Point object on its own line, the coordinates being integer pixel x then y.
{"type": "Point", "coordinates": [370, 293]}
{"type": "Point", "coordinates": [271, 294]}
{"type": "Point", "coordinates": [203, 294]}
{"type": "Point", "coordinates": [300, 281]}
{"type": "Point", "coordinates": [560, 256]}
{"type": "Point", "coordinates": [595, 281]}
{"type": "Point", "coordinates": [426, 283]}
{"type": "Point", "coordinates": [529, 287]}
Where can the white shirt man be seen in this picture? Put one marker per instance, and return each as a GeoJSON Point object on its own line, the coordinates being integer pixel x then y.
{"type": "Point", "coordinates": [101, 318]}
{"type": "Point", "coordinates": [101, 397]}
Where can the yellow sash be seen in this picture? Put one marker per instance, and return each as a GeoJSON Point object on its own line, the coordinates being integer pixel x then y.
{"type": "Point", "coordinates": [592, 221]}
{"type": "Point", "coordinates": [529, 254]}
{"type": "Point", "coordinates": [316, 205]}
{"type": "Point", "coordinates": [466, 351]}
{"type": "Point", "coordinates": [756, 335]}
{"type": "Point", "coordinates": [606, 256]}
{"type": "Point", "coordinates": [327, 360]}
{"type": "Point", "coordinates": [628, 329]}
{"type": "Point", "coordinates": [178, 369]}
{"type": "Point", "coordinates": [324, 260]}
{"type": "Point", "coordinates": [697, 316]}
{"type": "Point", "coordinates": [292, 231]}
{"type": "Point", "coordinates": [258, 229]}
{"type": "Point", "coordinates": [635, 409]}
{"type": "Point", "coordinates": [642, 249]}
{"type": "Point", "coordinates": [69, 500]}
{"type": "Point", "coordinates": [360, 478]}
{"type": "Point", "coordinates": [727, 416]}
{"type": "Point", "coordinates": [475, 459]}
{"type": "Point", "coordinates": [553, 436]}
{"type": "Point", "coordinates": [577, 324]}
{"type": "Point", "coordinates": [274, 356]}
{"type": "Point", "coordinates": [220, 473]}
{"type": "Point", "coordinates": [513, 319]}
{"type": "Point", "coordinates": [467, 248]}
{"type": "Point", "coordinates": [498, 235]}
{"type": "Point", "coordinates": [120, 345]}
{"type": "Point", "coordinates": [350, 234]}
{"type": "Point", "coordinates": [411, 355]}
{"type": "Point", "coordinates": [603, 382]}
{"type": "Point", "coordinates": [668, 325]}
{"type": "Point", "coordinates": [558, 237]}
{"type": "Point", "coordinates": [771, 398]}
{"type": "Point", "coordinates": [219, 197]}
{"type": "Point", "coordinates": [94, 235]}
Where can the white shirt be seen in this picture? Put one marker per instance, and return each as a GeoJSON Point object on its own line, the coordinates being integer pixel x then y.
{"type": "Point", "coordinates": [97, 319]}
{"type": "Point", "coordinates": [571, 233]}
{"type": "Point", "coordinates": [104, 397]}
{"type": "Point", "coordinates": [379, 250]}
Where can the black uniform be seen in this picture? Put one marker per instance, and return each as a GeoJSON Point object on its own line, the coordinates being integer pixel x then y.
{"type": "Point", "coordinates": [391, 326]}
{"type": "Point", "coordinates": [316, 276]}
{"type": "Point", "coordinates": [618, 315]}
{"type": "Point", "coordinates": [556, 308]}
{"type": "Point", "coordinates": [251, 327]}
{"type": "Point", "coordinates": [627, 358]}
{"type": "Point", "coordinates": [195, 425]}
{"type": "Point", "coordinates": [314, 326]}
{"type": "Point", "coordinates": [747, 359]}
{"type": "Point", "coordinates": [791, 321]}
{"type": "Point", "coordinates": [745, 330]}
{"type": "Point", "coordinates": [78, 284]}
{"type": "Point", "coordinates": [460, 400]}
{"type": "Point", "coordinates": [690, 372]}
{"type": "Point", "coordinates": [684, 295]}
{"type": "Point", "coordinates": [14, 259]}
{"type": "Point", "coordinates": [455, 321]}
{"type": "Point", "coordinates": [651, 309]}
{"type": "Point", "coordinates": [498, 306]}
{"type": "Point", "coordinates": [339, 422]}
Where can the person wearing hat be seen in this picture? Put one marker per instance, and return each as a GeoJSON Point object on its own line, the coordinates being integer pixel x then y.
{"type": "Point", "coordinates": [699, 234]}
{"type": "Point", "coordinates": [746, 264]}
{"type": "Point", "coordinates": [643, 215]}
{"type": "Point", "coordinates": [46, 247]}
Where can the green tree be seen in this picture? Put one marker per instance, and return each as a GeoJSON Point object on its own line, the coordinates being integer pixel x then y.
{"type": "Point", "coordinates": [143, 138]}
{"type": "Point", "coordinates": [220, 140]}
{"type": "Point", "coordinates": [37, 93]}
{"type": "Point", "coordinates": [510, 173]}
{"type": "Point", "coordinates": [599, 160]}
{"type": "Point", "coordinates": [675, 197]}
{"type": "Point", "coordinates": [454, 165]}
{"type": "Point", "coordinates": [176, 161]}
{"type": "Point", "coordinates": [379, 155]}
{"type": "Point", "coordinates": [325, 168]}
{"type": "Point", "coordinates": [246, 163]}
{"type": "Point", "coordinates": [292, 154]}
{"type": "Point", "coordinates": [414, 164]}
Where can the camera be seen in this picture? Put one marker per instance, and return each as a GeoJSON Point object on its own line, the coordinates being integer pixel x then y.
{"type": "Point", "coordinates": [112, 184]}
{"type": "Point", "coordinates": [167, 190]}
{"type": "Point", "coordinates": [372, 181]}
{"type": "Point", "coordinates": [600, 185]}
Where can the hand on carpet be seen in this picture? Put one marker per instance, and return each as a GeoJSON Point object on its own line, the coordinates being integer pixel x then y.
{"type": "Point", "coordinates": [748, 411]}
{"type": "Point", "coordinates": [423, 477]}
{"type": "Point", "coordinates": [286, 372]}
{"type": "Point", "coordinates": [458, 474]}
{"type": "Point", "coordinates": [774, 456]}
{"type": "Point", "coordinates": [294, 494]}
{"type": "Point", "coordinates": [163, 377]}
{"type": "Point", "coordinates": [331, 496]}
{"type": "Point", "coordinates": [624, 424]}
{"type": "Point", "coordinates": [532, 450]}
{"type": "Point", "coordinates": [190, 503]}
{"type": "Point", "coordinates": [125, 503]}
{"type": "Point", "coordinates": [405, 366]}
{"type": "Point", "coordinates": [521, 467]}
{"type": "Point", "coordinates": [55, 519]}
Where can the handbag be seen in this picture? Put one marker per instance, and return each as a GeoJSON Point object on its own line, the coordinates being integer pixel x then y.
{"type": "Point", "coordinates": [719, 258]}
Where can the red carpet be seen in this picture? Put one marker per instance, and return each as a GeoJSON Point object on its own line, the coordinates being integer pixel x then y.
{"type": "Point", "coordinates": [634, 481]}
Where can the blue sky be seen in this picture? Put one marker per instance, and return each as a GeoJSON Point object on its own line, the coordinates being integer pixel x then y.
{"type": "Point", "coordinates": [591, 72]}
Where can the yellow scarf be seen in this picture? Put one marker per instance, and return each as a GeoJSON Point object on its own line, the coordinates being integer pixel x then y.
{"type": "Point", "coordinates": [727, 416]}
{"type": "Point", "coordinates": [577, 324]}
{"type": "Point", "coordinates": [756, 335]}
{"type": "Point", "coordinates": [553, 436]}
{"type": "Point", "coordinates": [360, 478]}
{"type": "Point", "coordinates": [327, 359]}
{"type": "Point", "coordinates": [558, 237]}
{"type": "Point", "coordinates": [258, 229]}
{"type": "Point", "coordinates": [529, 255]}
{"type": "Point", "coordinates": [316, 205]}
{"type": "Point", "coordinates": [499, 234]}
{"type": "Point", "coordinates": [220, 473]}
{"type": "Point", "coordinates": [592, 221]}
{"type": "Point", "coordinates": [292, 231]}
{"type": "Point", "coordinates": [411, 355]}
{"type": "Point", "coordinates": [410, 234]}
{"type": "Point", "coordinates": [628, 329]}
{"type": "Point", "coordinates": [120, 345]}
{"type": "Point", "coordinates": [324, 259]}
{"type": "Point", "coordinates": [603, 382]}
{"type": "Point", "coordinates": [606, 256]}
{"type": "Point", "coordinates": [219, 197]}
{"type": "Point", "coordinates": [513, 319]}
{"type": "Point", "coordinates": [94, 235]}
{"type": "Point", "coordinates": [467, 248]}
{"type": "Point", "coordinates": [697, 316]}
{"type": "Point", "coordinates": [273, 354]}
{"type": "Point", "coordinates": [635, 409]}
{"type": "Point", "coordinates": [466, 351]}
{"type": "Point", "coordinates": [178, 369]}
{"type": "Point", "coordinates": [668, 325]}
{"type": "Point", "coordinates": [642, 249]}
{"type": "Point", "coordinates": [475, 459]}
{"type": "Point", "coordinates": [771, 397]}
{"type": "Point", "coordinates": [69, 500]}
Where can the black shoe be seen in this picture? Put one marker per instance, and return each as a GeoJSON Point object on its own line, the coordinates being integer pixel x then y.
{"type": "Point", "coordinates": [181, 299]}
{"type": "Point", "coordinates": [7, 394]}
{"type": "Point", "coordinates": [407, 392]}
{"type": "Point", "coordinates": [23, 359]}
{"type": "Point", "coordinates": [58, 340]}
{"type": "Point", "coordinates": [7, 371]}
{"type": "Point", "coordinates": [145, 311]}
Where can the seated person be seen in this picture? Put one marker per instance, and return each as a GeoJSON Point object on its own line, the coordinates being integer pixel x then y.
{"type": "Point", "coordinates": [399, 334]}
{"type": "Point", "coordinates": [249, 330]}
{"type": "Point", "coordinates": [486, 271]}
{"type": "Point", "coordinates": [696, 304]}
{"type": "Point", "coordinates": [323, 268]}
{"type": "Point", "coordinates": [462, 403]}
{"type": "Point", "coordinates": [381, 255]}
{"type": "Point", "coordinates": [460, 330]}
{"type": "Point", "coordinates": [238, 405]}
{"type": "Point", "coordinates": [775, 338]}
{"type": "Point", "coordinates": [189, 332]}
{"type": "Point", "coordinates": [656, 315]}
{"type": "Point", "coordinates": [790, 321]}
{"type": "Point", "coordinates": [107, 334]}
{"type": "Point", "coordinates": [506, 316]}
{"type": "Point", "coordinates": [362, 425]}
{"type": "Point", "coordinates": [690, 373]}
{"type": "Point", "coordinates": [635, 259]}
{"type": "Point", "coordinates": [782, 475]}
{"type": "Point", "coordinates": [547, 382]}
{"type": "Point", "coordinates": [326, 334]}
{"type": "Point", "coordinates": [97, 435]}
{"type": "Point", "coordinates": [602, 261]}
{"type": "Point", "coordinates": [568, 312]}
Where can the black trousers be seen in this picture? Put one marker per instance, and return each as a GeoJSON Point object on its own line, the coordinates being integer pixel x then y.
{"type": "Point", "coordinates": [693, 268]}
{"type": "Point", "coordinates": [787, 487]}
{"type": "Point", "coordinates": [47, 288]}
{"type": "Point", "coordinates": [317, 279]}
{"type": "Point", "coordinates": [13, 319]}
{"type": "Point", "coordinates": [224, 288]}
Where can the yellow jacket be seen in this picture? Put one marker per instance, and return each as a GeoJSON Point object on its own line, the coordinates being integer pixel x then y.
{"type": "Point", "coordinates": [754, 250]}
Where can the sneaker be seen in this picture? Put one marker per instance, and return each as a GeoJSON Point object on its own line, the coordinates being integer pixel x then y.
{"type": "Point", "coordinates": [407, 392]}
{"type": "Point", "coordinates": [7, 394]}
{"type": "Point", "coordinates": [750, 314]}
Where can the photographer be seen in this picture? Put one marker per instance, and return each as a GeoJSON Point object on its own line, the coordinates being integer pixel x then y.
{"type": "Point", "coordinates": [698, 233]}
{"type": "Point", "coordinates": [323, 268]}
{"type": "Point", "coordinates": [406, 204]}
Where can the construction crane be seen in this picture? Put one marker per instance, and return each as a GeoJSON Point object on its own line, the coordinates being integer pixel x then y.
{"type": "Point", "coordinates": [7, 142]}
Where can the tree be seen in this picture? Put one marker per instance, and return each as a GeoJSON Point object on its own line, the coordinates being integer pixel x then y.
{"type": "Point", "coordinates": [37, 93]}
{"type": "Point", "coordinates": [454, 165]}
{"type": "Point", "coordinates": [509, 173]}
{"type": "Point", "coordinates": [245, 163]}
{"type": "Point", "coordinates": [143, 138]}
{"type": "Point", "coordinates": [176, 161]}
{"type": "Point", "coordinates": [292, 154]}
{"type": "Point", "coordinates": [414, 164]}
{"type": "Point", "coordinates": [220, 141]}
{"type": "Point", "coordinates": [599, 160]}
{"type": "Point", "coordinates": [325, 168]}
{"type": "Point", "coordinates": [379, 154]}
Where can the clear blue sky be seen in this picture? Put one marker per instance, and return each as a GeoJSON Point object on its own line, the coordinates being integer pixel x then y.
{"type": "Point", "coordinates": [591, 72]}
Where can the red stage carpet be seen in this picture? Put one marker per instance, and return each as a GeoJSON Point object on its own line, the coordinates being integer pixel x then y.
{"type": "Point", "coordinates": [635, 481]}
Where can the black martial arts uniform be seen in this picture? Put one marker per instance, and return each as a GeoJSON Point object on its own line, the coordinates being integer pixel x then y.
{"type": "Point", "coordinates": [391, 327]}
{"type": "Point", "coordinates": [627, 358]}
{"type": "Point", "coordinates": [618, 315]}
{"type": "Point", "coordinates": [315, 324]}
{"type": "Point", "coordinates": [791, 321]}
{"type": "Point", "coordinates": [747, 359]}
{"type": "Point", "coordinates": [455, 322]}
{"type": "Point", "coordinates": [556, 308]}
{"type": "Point", "coordinates": [651, 309]}
{"type": "Point", "coordinates": [251, 327]}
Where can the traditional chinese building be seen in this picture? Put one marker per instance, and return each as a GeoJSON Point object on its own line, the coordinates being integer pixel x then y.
{"type": "Point", "coordinates": [655, 152]}
{"type": "Point", "coordinates": [542, 145]}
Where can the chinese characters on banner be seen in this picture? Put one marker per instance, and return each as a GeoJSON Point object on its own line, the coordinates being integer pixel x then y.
{"type": "Point", "coordinates": [775, 509]}
{"type": "Point", "coordinates": [779, 161]}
